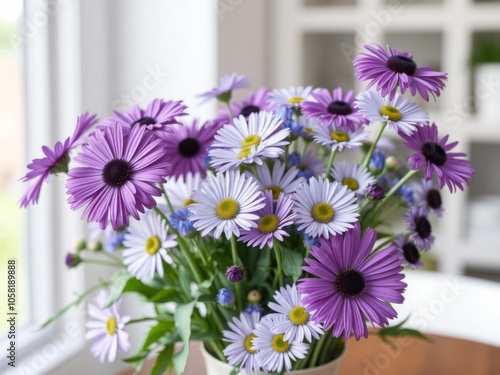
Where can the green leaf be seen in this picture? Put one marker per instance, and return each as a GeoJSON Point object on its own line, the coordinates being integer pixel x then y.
{"type": "Point", "coordinates": [165, 295]}
{"type": "Point", "coordinates": [157, 332]}
{"type": "Point", "coordinates": [182, 317]}
{"type": "Point", "coordinates": [137, 286]}
{"type": "Point", "coordinates": [118, 282]}
{"type": "Point", "coordinates": [164, 360]}
{"type": "Point", "coordinates": [292, 263]}
{"type": "Point", "coordinates": [234, 371]}
{"type": "Point", "coordinates": [398, 330]}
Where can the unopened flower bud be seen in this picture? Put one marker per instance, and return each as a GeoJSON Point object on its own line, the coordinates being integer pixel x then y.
{"type": "Point", "coordinates": [72, 260]}
{"type": "Point", "coordinates": [234, 274]}
{"type": "Point", "coordinates": [79, 245]}
{"type": "Point", "coordinates": [392, 163]}
{"type": "Point", "coordinates": [95, 246]}
{"type": "Point", "coordinates": [375, 192]}
{"type": "Point", "coordinates": [254, 296]}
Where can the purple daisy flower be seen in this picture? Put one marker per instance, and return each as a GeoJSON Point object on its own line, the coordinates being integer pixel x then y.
{"type": "Point", "coordinates": [186, 146]}
{"type": "Point", "coordinates": [395, 68]}
{"type": "Point", "coordinates": [55, 161]}
{"type": "Point", "coordinates": [420, 227]}
{"type": "Point", "coordinates": [352, 287]}
{"type": "Point", "coordinates": [434, 155]}
{"type": "Point", "coordinates": [427, 196]}
{"type": "Point", "coordinates": [254, 103]}
{"type": "Point", "coordinates": [118, 175]}
{"type": "Point", "coordinates": [408, 252]}
{"type": "Point", "coordinates": [156, 116]}
{"type": "Point", "coordinates": [227, 84]}
{"type": "Point", "coordinates": [334, 107]}
{"type": "Point", "coordinates": [271, 222]}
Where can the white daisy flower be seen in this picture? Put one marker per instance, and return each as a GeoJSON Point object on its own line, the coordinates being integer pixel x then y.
{"type": "Point", "coordinates": [292, 96]}
{"type": "Point", "coordinates": [179, 191]}
{"type": "Point", "coordinates": [273, 351]}
{"type": "Point", "coordinates": [337, 139]}
{"type": "Point", "coordinates": [324, 208]}
{"type": "Point", "coordinates": [226, 202]}
{"type": "Point", "coordinates": [352, 175]}
{"type": "Point", "coordinates": [239, 352]}
{"type": "Point", "coordinates": [248, 141]}
{"type": "Point", "coordinates": [146, 242]}
{"type": "Point", "coordinates": [278, 181]}
{"type": "Point", "coordinates": [401, 115]}
{"type": "Point", "coordinates": [297, 323]}
{"type": "Point", "coordinates": [106, 328]}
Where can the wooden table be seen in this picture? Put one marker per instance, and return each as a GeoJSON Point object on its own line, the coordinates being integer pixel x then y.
{"type": "Point", "coordinates": [445, 355]}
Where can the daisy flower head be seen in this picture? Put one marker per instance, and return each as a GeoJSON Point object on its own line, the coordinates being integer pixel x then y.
{"type": "Point", "coordinates": [146, 246]}
{"type": "Point", "coordinates": [106, 328]}
{"type": "Point", "coordinates": [434, 155]}
{"type": "Point", "coordinates": [239, 352]}
{"type": "Point", "coordinates": [420, 227]}
{"type": "Point", "coordinates": [427, 196]}
{"type": "Point", "coordinates": [273, 351]}
{"type": "Point", "coordinates": [272, 219]}
{"type": "Point", "coordinates": [277, 181]}
{"type": "Point", "coordinates": [186, 145]}
{"type": "Point", "coordinates": [394, 68]}
{"type": "Point", "coordinates": [227, 84]}
{"type": "Point", "coordinates": [352, 175]}
{"type": "Point", "coordinates": [309, 166]}
{"type": "Point", "coordinates": [337, 139]}
{"type": "Point", "coordinates": [291, 97]}
{"type": "Point", "coordinates": [297, 323]}
{"type": "Point", "coordinates": [248, 141]}
{"type": "Point", "coordinates": [118, 175]}
{"type": "Point", "coordinates": [408, 252]}
{"type": "Point", "coordinates": [157, 116]}
{"type": "Point", "coordinates": [349, 287]}
{"type": "Point", "coordinates": [400, 114]}
{"type": "Point", "coordinates": [179, 191]}
{"type": "Point", "coordinates": [254, 103]}
{"type": "Point", "coordinates": [334, 108]}
{"type": "Point", "coordinates": [55, 161]}
{"type": "Point", "coordinates": [226, 203]}
{"type": "Point", "coordinates": [324, 208]}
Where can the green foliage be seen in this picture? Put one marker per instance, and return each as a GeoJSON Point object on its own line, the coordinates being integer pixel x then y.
{"type": "Point", "coordinates": [292, 263]}
{"type": "Point", "coordinates": [182, 317]}
{"type": "Point", "coordinates": [397, 331]}
{"type": "Point", "coordinates": [485, 50]}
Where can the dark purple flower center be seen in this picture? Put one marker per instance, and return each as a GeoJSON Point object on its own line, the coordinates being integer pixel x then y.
{"type": "Point", "coordinates": [350, 283]}
{"type": "Point", "coordinates": [339, 108]}
{"type": "Point", "coordinates": [423, 227]}
{"type": "Point", "coordinates": [189, 147]}
{"type": "Point", "coordinates": [434, 199]}
{"type": "Point", "coordinates": [411, 253]}
{"type": "Point", "coordinates": [401, 64]}
{"type": "Point", "coordinates": [249, 109]}
{"type": "Point", "coordinates": [116, 172]}
{"type": "Point", "coordinates": [434, 153]}
{"type": "Point", "coordinates": [144, 121]}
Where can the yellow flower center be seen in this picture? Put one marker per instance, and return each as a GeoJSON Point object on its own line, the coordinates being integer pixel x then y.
{"type": "Point", "coordinates": [309, 130]}
{"type": "Point", "coordinates": [391, 112]}
{"type": "Point", "coordinates": [227, 209]}
{"type": "Point", "coordinates": [188, 201]}
{"type": "Point", "coordinates": [322, 212]}
{"type": "Point", "coordinates": [279, 345]}
{"type": "Point", "coordinates": [111, 326]}
{"type": "Point", "coordinates": [248, 343]}
{"type": "Point", "coordinates": [299, 316]}
{"type": "Point", "coordinates": [244, 153]}
{"type": "Point", "coordinates": [351, 183]}
{"type": "Point", "coordinates": [268, 224]}
{"type": "Point", "coordinates": [276, 190]}
{"type": "Point", "coordinates": [339, 136]}
{"type": "Point", "coordinates": [295, 100]}
{"type": "Point", "coordinates": [153, 245]}
{"type": "Point", "coordinates": [251, 140]}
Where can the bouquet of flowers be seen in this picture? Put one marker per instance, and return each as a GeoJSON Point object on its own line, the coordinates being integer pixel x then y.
{"type": "Point", "coordinates": [260, 232]}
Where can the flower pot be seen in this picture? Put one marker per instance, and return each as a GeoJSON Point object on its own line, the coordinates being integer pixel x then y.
{"type": "Point", "coordinates": [216, 367]}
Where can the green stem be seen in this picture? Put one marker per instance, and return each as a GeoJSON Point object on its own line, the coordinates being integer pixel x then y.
{"type": "Point", "coordinates": [101, 262]}
{"type": "Point", "coordinates": [229, 110]}
{"type": "Point", "coordinates": [203, 256]}
{"type": "Point", "coordinates": [330, 163]}
{"type": "Point", "coordinates": [365, 203]}
{"type": "Point", "coordinates": [391, 192]}
{"type": "Point", "coordinates": [114, 258]}
{"type": "Point", "coordinates": [374, 144]}
{"type": "Point", "coordinates": [304, 149]}
{"type": "Point", "coordinates": [234, 254]}
{"type": "Point", "coordinates": [317, 350]}
{"type": "Point", "coordinates": [277, 253]}
{"type": "Point", "coordinates": [169, 204]}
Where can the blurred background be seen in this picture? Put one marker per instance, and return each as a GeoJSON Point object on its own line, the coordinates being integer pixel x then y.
{"type": "Point", "coordinates": [61, 57]}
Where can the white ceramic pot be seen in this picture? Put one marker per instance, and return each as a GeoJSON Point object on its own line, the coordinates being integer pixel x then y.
{"type": "Point", "coordinates": [487, 91]}
{"type": "Point", "coordinates": [215, 367]}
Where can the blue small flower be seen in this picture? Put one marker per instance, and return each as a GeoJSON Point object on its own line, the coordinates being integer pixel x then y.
{"type": "Point", "coordinates": [377, 161]}
{"type": "Point", "coordinates": [114, 241]}
{"type": "Point", "coordinates": [294, 159]}
{"type": "Point", "coordinates": [180, 221]}
{"type": "Point", "coordinates": [310, 240]}
{"type": "Point", "coordinates": [284, 112]}
{"type": "Point", "coordinates": [253, 307]}
{"type": "Point", "coordinates": [225, 297]}
{"type": "Point", "coordinates": [407, 194]}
